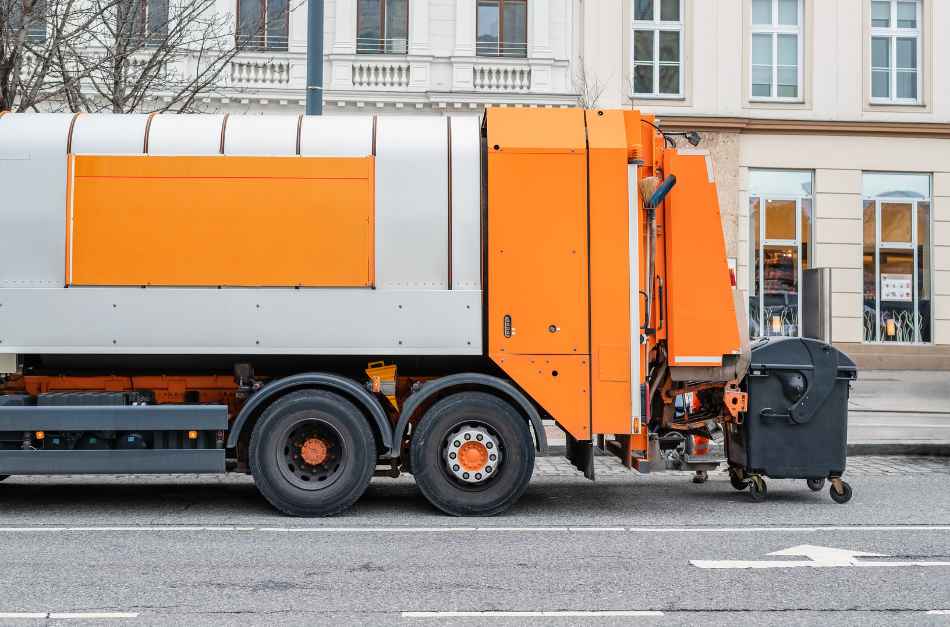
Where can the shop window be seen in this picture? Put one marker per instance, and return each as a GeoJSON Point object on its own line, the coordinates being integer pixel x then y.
{"type": "Point", "coordinates": [897, 263]}
{"type": "Point", "coordinates": [658, 48]}
{"type": "Point", "coordinates": [780, 234]}
{"type": "Point", "coordinates": [382, 27]}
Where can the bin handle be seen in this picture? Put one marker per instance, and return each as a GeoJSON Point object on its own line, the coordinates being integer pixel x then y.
{"type": "Point", "coordinates": [819, 383]}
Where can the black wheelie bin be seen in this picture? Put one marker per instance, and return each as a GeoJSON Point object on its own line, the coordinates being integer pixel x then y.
{"type": "Point", "coordinates": [796, 425]}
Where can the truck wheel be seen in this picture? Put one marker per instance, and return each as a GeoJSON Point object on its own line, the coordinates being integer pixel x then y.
{"type": "Point", "coordinates": [312, 453]}
{"type": "Point", "coordinates": [472, 455]}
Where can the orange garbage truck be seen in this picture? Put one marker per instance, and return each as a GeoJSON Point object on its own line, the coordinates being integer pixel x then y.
{"type": "Point", "coordinates": [315, 300]}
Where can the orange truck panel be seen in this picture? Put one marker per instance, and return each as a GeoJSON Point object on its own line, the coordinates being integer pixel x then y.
{"type": "Point", "coordinates": [700, 307]}
{"type": "Point", "coordinates": [220, 221]}
{"type": "Point", "coordinates": [611, 410]}
{"type": "Point", "coordinates": [537, 238]}
{"type": "Point", "coordinates": [559, 383]}
{"type": "Point", "coordinates": [537, 257]}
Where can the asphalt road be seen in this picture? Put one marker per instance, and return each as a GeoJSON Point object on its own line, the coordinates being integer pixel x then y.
{"type": "Point", "coordinates": [207, 550]}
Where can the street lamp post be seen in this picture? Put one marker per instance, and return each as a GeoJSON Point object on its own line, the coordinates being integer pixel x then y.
{"type": "Point", "coordinates": [315, 57]}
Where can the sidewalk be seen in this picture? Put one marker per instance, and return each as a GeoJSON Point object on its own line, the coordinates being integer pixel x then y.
{"type": "Point", "coordinates": [889, 413]}
{"type": "Point", "coordinates": [900, 413]}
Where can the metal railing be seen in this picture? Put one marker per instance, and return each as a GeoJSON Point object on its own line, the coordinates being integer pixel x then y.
{"type": "Point", "coordinates": [504, 49]}
{"type": "Point", "coordinates": [376, 45]}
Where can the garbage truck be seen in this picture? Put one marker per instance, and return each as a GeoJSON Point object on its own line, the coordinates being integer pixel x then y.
{"type": "Point", "coordinates": [319, 300]}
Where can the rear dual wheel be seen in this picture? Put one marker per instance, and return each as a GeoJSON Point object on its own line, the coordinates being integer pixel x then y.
{"type": "Point", "coordinates": [472, 455]}
{"type": "Point", "coordinates": [312, 453]}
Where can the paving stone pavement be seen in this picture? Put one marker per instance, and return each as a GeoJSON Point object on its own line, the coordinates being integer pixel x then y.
{"type": "Point", "coordinates": [857, 466]}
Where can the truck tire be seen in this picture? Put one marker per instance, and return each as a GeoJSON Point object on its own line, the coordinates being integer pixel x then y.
{"type": "Point", "coordinates": [312, 453]}
{"type": "Point", "coordinates": [472, 455]}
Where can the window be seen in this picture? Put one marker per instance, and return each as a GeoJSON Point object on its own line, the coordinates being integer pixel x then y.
{"type": "Point", "coordinates": [33, 13]}
{"type": "Point", "coordinates": [658, 48]}
{"type": "Point", "coordinates": [780, 211]}
{"type": "Point", "coordinates": [263, 24]}
{"type": "Point", "coordinates": [777, 50]}
{"type": "Point", "coordinates": [382, 27]}
{"type": "Point", "coordinates": [502, 28]}
{"type": "Point", "coordinates": [897, 282]}
{"type": "Point", "coordinates": [143, 22]}
{"type": "Point", "coordinates": [895, 51]}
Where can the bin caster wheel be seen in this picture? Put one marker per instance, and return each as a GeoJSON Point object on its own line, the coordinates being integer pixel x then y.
{"type": "Point", "coordinates": [737, 480]}
{"type": "Point", "coordinates": [701, 476]}
{"type": "Point", "coordinates": [844, 495]}
{"type": "Point", "coordinates": [815, 485]}
{"type": "Point", "coordinates": [757, 489]}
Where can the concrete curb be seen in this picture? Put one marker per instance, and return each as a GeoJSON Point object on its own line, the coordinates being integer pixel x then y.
{"type": "Point", "coordinates": [907, 449]}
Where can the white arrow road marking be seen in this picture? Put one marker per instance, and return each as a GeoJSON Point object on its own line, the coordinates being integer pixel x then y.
{"type": "Point", "coordinates": [818, 557]}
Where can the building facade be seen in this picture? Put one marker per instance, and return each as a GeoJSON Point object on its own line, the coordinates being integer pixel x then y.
{"type": "Point", "coordinates": [411, 56]}
{"type": "Point", "coordinates": [829, 122]}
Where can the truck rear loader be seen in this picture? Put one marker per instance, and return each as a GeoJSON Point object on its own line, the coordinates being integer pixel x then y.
{"type": "Point", "coordinates": [315, 300]}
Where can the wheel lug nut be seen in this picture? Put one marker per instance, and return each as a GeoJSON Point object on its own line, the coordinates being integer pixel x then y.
{"type": "Point", "coordinates": [478, 476]}
{"type": "Point", "coordinates": [468, 436]}
{"type": "Point", "coordinates": [493, 457]}
{"type": "Point", "coordinates": [452, 455]}
{"type": "Point", "coordinates": [489, 445]}
{"type": "Point", "coordinates": [464, 475]}
{"type": "Point", "coordinates": [479, 437]}
{"type": "Point", "coordinates": [488, 469]}
{"type": "Point", "coordinates": [455, 467]}
{"type": "Point", "coordinates": [457, 444]}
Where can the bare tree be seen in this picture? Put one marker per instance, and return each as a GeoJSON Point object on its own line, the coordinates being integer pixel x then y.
{"type": "Point", "coordinates": [36, 37]}
{"type": "Point", "coordinates": [589, 89]}
{"type": "Point", "coordinates": [157, 55]}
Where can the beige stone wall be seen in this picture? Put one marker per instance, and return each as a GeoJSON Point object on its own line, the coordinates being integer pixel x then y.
{"type": "Point", "coordinates": [724, 150]}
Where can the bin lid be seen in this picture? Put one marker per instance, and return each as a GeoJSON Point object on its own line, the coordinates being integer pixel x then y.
{"type": "Point", "coordinates": [792, 353]}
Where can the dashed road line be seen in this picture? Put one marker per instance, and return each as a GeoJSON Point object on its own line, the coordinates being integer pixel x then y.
{"type": "Point", "coordinates": [70, 615]}
{"type": "Point", "coordinates": [542, 614]}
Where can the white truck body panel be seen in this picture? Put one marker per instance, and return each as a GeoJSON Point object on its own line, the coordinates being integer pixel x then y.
{"type": "Point", "coordinates": [412, 310]}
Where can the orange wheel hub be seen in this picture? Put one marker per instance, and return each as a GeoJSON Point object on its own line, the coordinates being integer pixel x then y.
{"type": "Point", "coordinates": [314, 451]}
{"type": "Point", "coordinates": [473, 456]}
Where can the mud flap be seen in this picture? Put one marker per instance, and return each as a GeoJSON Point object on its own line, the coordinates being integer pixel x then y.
{"type": "Point", "coordinates": [581, 454]}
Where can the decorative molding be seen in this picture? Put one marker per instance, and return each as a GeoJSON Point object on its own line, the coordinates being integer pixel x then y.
{"type": "Point", "coordinates": [805, 127]}
{"type": "Point", "coordinates": [465, 24]}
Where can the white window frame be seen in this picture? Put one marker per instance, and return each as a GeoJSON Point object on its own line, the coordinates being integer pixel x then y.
{"type": "Point", "coordinates": [893, 33]}
{"type": "Point", "coordinates": [775, 29]}
{"type": "Point", "coordinates": [657, 26]}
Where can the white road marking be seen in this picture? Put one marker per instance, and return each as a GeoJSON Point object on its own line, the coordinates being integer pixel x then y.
{"type": "Point", "coordinates": [516, 614]}
{"type": "Point", "coordinates": [67, 615]}
{"type": "Point", "coordinates": [939, 612]}
{"type": "Point", "coordinates": [358, 529]}
{"type": "Point", "coordinates": [818, 557]}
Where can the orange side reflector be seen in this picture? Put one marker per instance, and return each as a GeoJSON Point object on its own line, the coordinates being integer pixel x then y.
{"type": "Point", "coordinates": [40, 435]}
{"type": "Point", "coordinates": [192, 435]}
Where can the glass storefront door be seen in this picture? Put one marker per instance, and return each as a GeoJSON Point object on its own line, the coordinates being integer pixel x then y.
{"type": "Point", "coordinates": [780, 237]}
